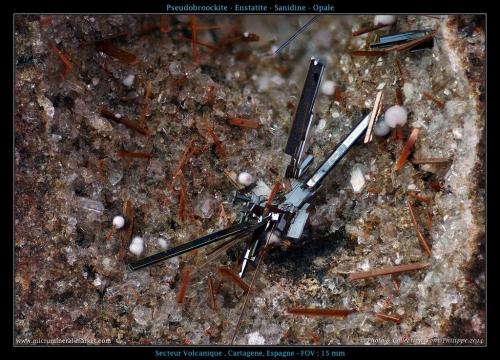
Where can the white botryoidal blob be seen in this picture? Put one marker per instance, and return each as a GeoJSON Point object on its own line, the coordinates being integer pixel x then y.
{"type": "Point", "coordinates": [384, 20]}
{"type": "Point", "coordinates": [396, 115]}
{"type": "Point", "coordinates": [163, 243]}
{"type": "Point", "coordinates": [128, 80]}
{"type": "Point", "coordinates": [381, 128]}
{"type": "Point", "coordinates": [118, 221]}
{"type": "Point", "coordinates": [137, 246]}
{"type": "Point", "coordinates": [245, 178]}
{"type": "Point", "coordinates": [328, 87]}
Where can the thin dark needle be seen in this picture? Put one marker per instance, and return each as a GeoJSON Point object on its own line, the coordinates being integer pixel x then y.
{"type": "Point", "coordinates": [252, 282]}
{"type": "Point", "coordinates": [297, 33]}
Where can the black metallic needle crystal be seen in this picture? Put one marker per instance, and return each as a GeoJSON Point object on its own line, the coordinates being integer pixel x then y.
{"type": "Point", "coordinates": [401, 38]}
{"type": "Point", "coordinates": [338, 153]}
{"type": "Point", "coordinates": [296, 145]}
{"type": "Point", "coordinates": [195, 244]}
{"type": "Point", "coordinates": [300, 193]}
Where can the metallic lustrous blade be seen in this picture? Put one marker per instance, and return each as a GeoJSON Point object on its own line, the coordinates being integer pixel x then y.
{"type": "Point", "coordinates": [298, 139]}
{"type": "Point", "coordinates": [238, 229]}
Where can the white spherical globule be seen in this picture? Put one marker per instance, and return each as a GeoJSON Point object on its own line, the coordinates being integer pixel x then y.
{"type": "Point", "coordinates": [395, 115]}
{"type": "Point", "coordinates": [384, 20]}
{"type": "Point", "coordinates": [328, 87]}
{"type": "Point", "coordinates": [245, 179]}
{"type": "Point", "coordinates": [381, 128]}
{"type": "Point", "coordinates": [137, 246]}
{"type": "Point", "coordinates": [118, 221]}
